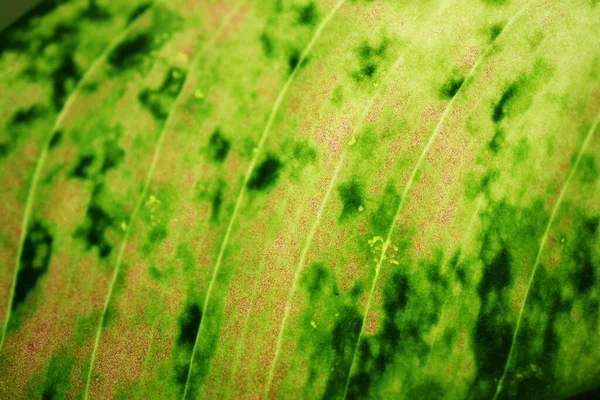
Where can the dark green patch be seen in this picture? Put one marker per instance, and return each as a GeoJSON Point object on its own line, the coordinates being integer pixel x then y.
{"type": "Point", "coordinates": [90, 166]}
{"type": "Point", "coordinates": [452, 85]}
{"type": "Point", "coordinates": [595, 392]}
{"type": "Point", "coordinates": [108, 316]}
{"type": "Point", "coordinates": [20, 125]}
{"type": "Point", "coordinates": [587, 170]}
{"type": "Point", "coordinates": [157, 234]}
{"type": "Point", "coordinates": [458, 268]}
{"type": "Point", "coordinates": [155, 273]}
{"type": "Point", "coordinates": [379, 352]}
{"type": "Point", "coordinates": [383, 217]}
{"type": "Point", "coordinates": [181, 374]}
{"type": "Point", "coordinates": [89, 87]}
{"type": "Point", "coordinates": [149, 100]}
{"type": "Point", "coordinates": [352, 196]}
{"type": "Point", "coordinates": [343, 343]}
{"type": "Point", "coordinates": [511, 235]}
{"type": "Point", "coordinates": [501, 107]}
{"type": "Point", "coordinates": [137, 12]}
{"type": "Point", "coordinates": [217, 202]}
{"type": "Point", "coordinates": [14, 37]}
{"type": "Point", "coordinates": [83, 166]}
{"type": "Point", "coordinates": [492, 336]}
{"type": "Point", "coordinates": [212, 191]}
{"type": "Point", "coordinates": [266, 174]}
{"type": "Point", "coordinates": [64, 37]}
{"type": "Point", "coordinates": [93, 230]}
{"type": "Point", "coordinates": [34, 261]}
{"type": "Point", "coordinates": [496, 275]}
{"type": "Point", "coordinates": [368, 60]}
{"type": "Point", "coordinates": [131, 51]}
{"type": "Point", "coordinates": [495, 31]}
{"type": "Point", "coordinates": [304, 154]}
{"type": "Point", "coordinates": [299, 155]}
{"type": "Point", "coordinates": [94, 12]}
{"type": "Point", "coordinates": [158, 101]}
{"type": "Point", "coordinates": [476, 183]}
{"type": "Point", "coordinates": [61, 34]}
{"type": "Point", "coordinates": [333, 323]}
{"type": "Point", "coordinates": [315, 279]}
{"type": "Point", "coordinates": [395, 295]}
{"type": "Point", "coordinates": [368, 70]}
{"type": "Point", "coordinates": [57, 378]}
{"type": "Point", "coordinates": [308, 14]}
{"type": "Point", "coordinates": [430, 390]}
{"type": "Point", "coordinates": [487, 180]}
{"type": "Point", "coordinates": [112, 313]}
{"type": "Point", "coordinates": [55, 139]}
{"type": "Point", "coordinates": [189, 322]}
{"type": "Point", "coordinates": [173, 82]}
{"type": "Point", "coordinates": [218, 146]}
{"type": "Point", "coordinates": [293, 59]}
{"type": "Point", "coordinates": [518, 96]}
{"type": "Point", "coordinates": [25, 116]}
{"type": "Point", "coordinates": [19, 37]}
{"type": "Point", "coordinates": [523, 381]}
{"type": "Point", "coordinates": [495, 2]}
{"type": "Point", "coordinates": [584, 276]}
{"type": "Point", "coordinates": [113, 155]}
{"type": "Point", "coordinates": [496, 143]}
{"type": "Point", "coordinates": [267, 45]}
{"type": "Point", "coordinates": [52, 174]}
{"type": "Point", "coordinates": [64, 78]}
{"type": "Point", "coordinates": [367, 52]}
{"type": "Point", "coordinates": [590, 226]}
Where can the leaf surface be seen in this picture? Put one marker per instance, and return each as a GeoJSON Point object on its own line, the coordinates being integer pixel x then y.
{"type": "Point", "coordinates": [333, 199]}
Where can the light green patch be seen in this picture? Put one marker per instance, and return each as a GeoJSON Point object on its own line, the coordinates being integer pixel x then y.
{"type": "Point", "coordinates": [521, 150]}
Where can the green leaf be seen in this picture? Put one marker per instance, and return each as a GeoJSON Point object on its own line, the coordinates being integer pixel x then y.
{"type": "Point", "coordinates": [300, 199]}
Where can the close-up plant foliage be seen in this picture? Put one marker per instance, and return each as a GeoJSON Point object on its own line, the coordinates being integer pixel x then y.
{"type": "Point", "coordinates": [300, 199]}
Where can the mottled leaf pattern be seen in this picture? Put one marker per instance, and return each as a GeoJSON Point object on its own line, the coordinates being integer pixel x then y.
{"type": "Point", "coordinates": [300, 199]}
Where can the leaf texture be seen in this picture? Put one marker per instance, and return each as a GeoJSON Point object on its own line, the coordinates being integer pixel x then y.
{"type": "Point", "coordinates": [287, 199]}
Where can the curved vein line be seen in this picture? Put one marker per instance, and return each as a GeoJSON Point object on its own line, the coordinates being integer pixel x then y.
{"type": "Point", "coordinates": [163, 292]}
{"type": "Point", "coordinates": [467, 233]}
{"type": "Point", "coordinates": [314, 228]}
{"type": "Point", "coordinates": [539, 253]}
{"type": "Point", "coordinates": [163, 295]}
{"type": "Point", "coordinates": [142, 196]}
{"type": "Point", "coordinates": [480, 203]}
{"type": "Point", "coordinates": [152, 340]}
{"type": "Point", "coordinates": [410, 182]}
{"type": "Point", "coordinates": [316, 224]}
{"type": "Point", "coordinates": [582, 350]}
{"type": "Point", "coordinates": [249, 172]}
{"type": "Point", "coordinates": [311, 234]}
{"type": "Point", "coordinates": [242, 339]}
{"type": "Point", "coordinates": [469, 227]}
{"type": "Point", "coordinates": [44, 154]}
